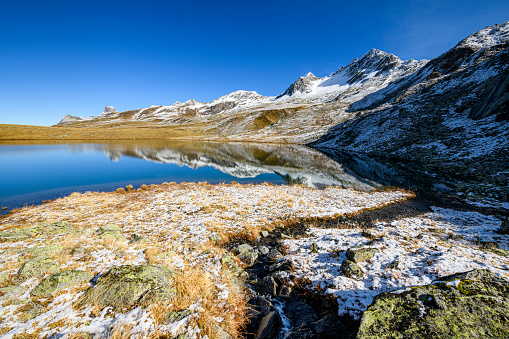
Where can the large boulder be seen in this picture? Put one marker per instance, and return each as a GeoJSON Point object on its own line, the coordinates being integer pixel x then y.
{"type": "Point", "coordinates": [473, 304]}
{"type": "Point", "coordinates": [35, 267]}
{"type": "Point", "coordinates": [127, 286]}
{"type": "Point", "coordinates": [60, 281]}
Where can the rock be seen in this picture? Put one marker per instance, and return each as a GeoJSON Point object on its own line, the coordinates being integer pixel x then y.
{"type": "Point", "coordinates": [472, 304]}
{"type": "Point", "coordinates": [44, 251]}
{"type": "Point", "coordinates": [350, 269]}
{"type": "Point", "coordinates": [60, 281]}
{"type": "Point", "coordinates": [394, 265]}
{"type": "Point", "coordinates": [360, 254]}
{"type": "Point", "coordinates": [11, 293]}
{"type": "Point", "coordinates": [136, 239]}
{"type": "Point", "coordinates": [32, 313]}
{"type": "Point", "coordinates": [249, 257]}
{"type": "Point", "coordinates": [263, 250]}
{"type": "Point", "coordinates": [228, 259]}
{"type": "Point", "coordinates": [274, 255]}
{"type": "Point", "coordinates": [216, 238]}
{"type": "Point", "coordinates": [4, 276]}
{"type": "Point", "coordinates": [35, 267]}
{"type": "Point", "coordinates": [434, 75]}
{"type": "Point", "coordinates": [269, 327]}
{"type": "Point", "coordinates": [13, 236]}
{"type": "Point", "coordinates": [283, 265]}
{"type": "Point", "coordinates": [300, 314]}
{"type": "Point", "coordinates": [314, 248]}
{"type": "Point", "coordinates": [504, 227]}
{"type": "Point", "coordinates": [176, 316]}
{"type": "Point", "coordinates": [129, 188]}
{"type": "Point", "coordinates": [111, 232]}
{"type": "Point", "coordinates": [120, 190]}
{"type": "Point", "coordinates": [285, 291]}
{"type": "Point", "coordinates": [60, 227]}
{"type": "Point", "coordinates": [130, 285]}
{"type": "Point", "coordinates": [329, 327]}
{"type": "Point", "coordinates": [243, 248]}
{"type": "Point", "coordinates": [269, 286]}
{"type": "Point", "coordinates": [220, 333]}
{"type": "Point", "coordinates": [264, 234]}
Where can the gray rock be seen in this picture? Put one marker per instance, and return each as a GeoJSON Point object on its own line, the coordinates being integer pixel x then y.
{"type": "Point", "coordinates": [263, 249]}
{"type": "Point", "coordinates": [269, 326]}
{"type": "Point", "coordinates": [264, 234]}
{"type": "Point", "coordinates": [127, 286]}
{"type": "Point", "coordinates": [60, 281]}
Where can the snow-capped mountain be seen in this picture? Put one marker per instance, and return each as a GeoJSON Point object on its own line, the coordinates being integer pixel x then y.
{"type": "Point", "coordinates": [373, 71]}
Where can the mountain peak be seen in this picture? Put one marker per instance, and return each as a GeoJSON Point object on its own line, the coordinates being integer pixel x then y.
{"type": "Point", "coordinates": [108, 110]}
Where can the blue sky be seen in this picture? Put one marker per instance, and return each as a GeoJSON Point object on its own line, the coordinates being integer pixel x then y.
{"type": "Point", "coordinates": [75, 57]}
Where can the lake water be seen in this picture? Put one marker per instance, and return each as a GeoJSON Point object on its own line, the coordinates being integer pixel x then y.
{"type": "Point", "coordinates": [30, 174]}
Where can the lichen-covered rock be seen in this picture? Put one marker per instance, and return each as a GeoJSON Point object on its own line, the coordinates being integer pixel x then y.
{"type": "Point", "coordinates": [350, 269]}
{"type": "Point", "coordinates": [136, 239]}
{"type": "Point", "coordinates": [60, 281]}
{"type": "Point", "coordinates": [360, 254]}
{"type": "Point", "coordinates": [59, 227]}
{"type": "Point", "coordinates": [473, 304]}
{"type": "Point", "coordinates": [13, 236]}
{"type": "Point", "coordinates": [44, 251]}
{"type": "Point", "coordinates": [274, 255]}
{"type": "Point", "coordinates": [130, 285]}
{"type": "Point", "coordinates": [249, 257]}
{"type": "Point", "coordinates": [228, 260]}
{"type": "Point", "coordinates": [243, 248]}
{"type": "Point", "coordinates": [111, 232]}
{"type": "Point", "coordinates": [36, 266]}
{"type": "Point", "coordinates": [11, 292]}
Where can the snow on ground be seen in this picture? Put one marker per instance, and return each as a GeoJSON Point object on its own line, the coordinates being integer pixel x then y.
{"type": "Point", "coordinates": [176, 218]}
{"type": "Point", "coordinates": [436, 244]}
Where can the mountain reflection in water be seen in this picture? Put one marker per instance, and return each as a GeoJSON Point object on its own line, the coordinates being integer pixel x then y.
{"type": "Point", "coordinates": [38, 172]}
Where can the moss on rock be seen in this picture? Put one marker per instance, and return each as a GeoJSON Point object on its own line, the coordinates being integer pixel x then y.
{"type": "Point", "coordinates": [473, 304]}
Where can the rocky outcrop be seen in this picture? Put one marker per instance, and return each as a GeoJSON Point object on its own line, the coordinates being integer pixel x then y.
{"type": "Point", "coordinates": [127, 286]}
{"type": "Point", "coordinates": [60, 281]}
{"type": "Point", "coordinates": [473, 304]}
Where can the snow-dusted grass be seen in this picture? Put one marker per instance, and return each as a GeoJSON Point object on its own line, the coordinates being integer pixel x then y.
{"type": "Point", "coordinates": [177, 221]}
{"type": "Point", "coordinates": [435, 244]}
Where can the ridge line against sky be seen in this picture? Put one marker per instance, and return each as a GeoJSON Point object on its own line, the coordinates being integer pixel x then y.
{"type": "Point", "coordinates": [59, 58]}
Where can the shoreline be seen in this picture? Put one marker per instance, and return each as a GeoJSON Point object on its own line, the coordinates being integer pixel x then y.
{"type": "Point", "coordinates": [197, 227]}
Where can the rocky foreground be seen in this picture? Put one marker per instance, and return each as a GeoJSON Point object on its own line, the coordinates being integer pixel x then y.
{"type": "Point", "coordinates": [222, 261]}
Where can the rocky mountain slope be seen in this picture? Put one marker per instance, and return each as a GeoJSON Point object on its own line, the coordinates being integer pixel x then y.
{"type": "Point", "coordinates": [451, 116]}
